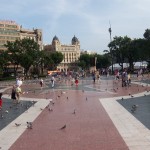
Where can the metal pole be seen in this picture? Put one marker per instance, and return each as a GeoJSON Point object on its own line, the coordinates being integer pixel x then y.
{"type": "Point", "coordinates": [110, 48]}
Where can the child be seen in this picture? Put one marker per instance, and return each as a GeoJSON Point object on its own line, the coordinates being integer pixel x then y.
{"type": "Point", "coordinates": [76, 81]}
{"type": "Point", "coordinates": [1, 102]}
{"type": "Point", "coordinates": [18, 92]}
{"type": "Point", "coordinates": [41, 82]}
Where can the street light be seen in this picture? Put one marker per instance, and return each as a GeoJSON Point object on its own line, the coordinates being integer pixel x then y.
{"type": "Point", "coordinates": [95, 62]}
{"type": "Point", "coordinates": [109, 30]}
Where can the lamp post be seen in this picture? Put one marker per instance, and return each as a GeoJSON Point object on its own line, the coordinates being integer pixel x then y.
{"type": "Point", "coordinates": [95, 62]}
{"type": "Point", "coordinates": [109, 30]}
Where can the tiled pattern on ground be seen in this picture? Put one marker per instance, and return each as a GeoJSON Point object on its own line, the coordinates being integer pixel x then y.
{"type": "Point", "coordinates": [11, 111]}
{"type": "Point", "coordinates": [89, 128]}
{"type": "Point", "coordinates": [143, 110]}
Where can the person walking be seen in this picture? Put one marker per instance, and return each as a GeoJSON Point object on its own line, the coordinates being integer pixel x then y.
{"type": "Point", "coordinates": [1, 101]}
{"type": "Point", "coordinates": [53, 81]}
{"type": "Point", "coordinates": [13, 94]}
{"type": "Point", "coordinates": [41, 82]}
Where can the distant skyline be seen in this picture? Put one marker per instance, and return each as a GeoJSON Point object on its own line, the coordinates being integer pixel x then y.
{"type": "Point", "coordinates": [88, 20]}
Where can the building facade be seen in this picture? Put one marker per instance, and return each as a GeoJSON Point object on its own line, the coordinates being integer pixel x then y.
{"type": "Point", "coordinates": [11, 31]}
{"type": "Point", "coordinates": [70, 52]}
{"type": "Point", "coordinates": [35, 34]}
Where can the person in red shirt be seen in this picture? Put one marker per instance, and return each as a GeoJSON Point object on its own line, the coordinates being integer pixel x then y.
{"type": "Point", "coordinates": [1, 102]}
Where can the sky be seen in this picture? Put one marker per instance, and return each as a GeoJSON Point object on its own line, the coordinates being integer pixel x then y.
{"type": "Point", "coordinates": [88, 20]}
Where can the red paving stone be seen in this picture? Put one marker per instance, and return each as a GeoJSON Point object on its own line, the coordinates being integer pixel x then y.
{"type": "Point", "coordinates": [89, 129]}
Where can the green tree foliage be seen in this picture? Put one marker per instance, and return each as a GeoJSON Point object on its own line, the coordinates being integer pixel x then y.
{"type": "Point", "coordinates": [147, 34]}
{"type": "Point", "coordinates": [14, 49]}
{"type": "Point", "coordinates": [84, 61]}
{"type": "Point", "coordinates": [88, 60]}
{"type": "Point", "coordinates": [103, 61]}
{"type": "Point", "coordinates": [23, 52]}
{"type": "Point", "coordinates": [56, 58]}
{"type": "Point", "coordinates": [119, 47]}
{"type": "Point", "coordinates": [4, 62]}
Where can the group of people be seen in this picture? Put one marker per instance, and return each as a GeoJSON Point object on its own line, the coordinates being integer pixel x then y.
{"type": "Point", "coordinates": [16, 91]}
{"type": "Point", "coordinates": [125, 77]}
{"type": "Point", "coordinates": [52, 82]}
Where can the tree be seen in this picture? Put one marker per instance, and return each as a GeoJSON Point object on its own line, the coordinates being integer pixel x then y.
{"type": "Point", "coordinates": [85, 61]}
{"type": "Point", "coordinates": [29, 54]}
{"type": "Point", "coordinates": [119, 47]}
{"type": "Point", "coordinates": [46, 60]}
{"type": "Point", "coordinates": [13, 50]}
{"type": "Point", "coordinates": [82, 64]}
{"type": "Point", "coordinates": [103, 61]}
{"type": "Point", "coordinates": [147, 34]}
{"type": "Point", "coordinates": [4, 62]}
{"type": "Point", "coordinates": [56, 57]}
{"type": "Point", "coordinates": [132, 52]}
{"type": "Point", "coordinates": [23, 52]}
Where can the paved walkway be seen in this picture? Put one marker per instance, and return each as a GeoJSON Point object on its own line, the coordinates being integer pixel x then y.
{"type": "Point", "coordinates": [93, 118]}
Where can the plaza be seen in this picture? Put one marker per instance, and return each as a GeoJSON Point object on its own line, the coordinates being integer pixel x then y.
{"type": "Point", "coordinates": [90, 116]}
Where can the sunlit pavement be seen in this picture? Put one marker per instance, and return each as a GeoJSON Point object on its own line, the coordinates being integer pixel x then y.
{"type": "Point", "coordinates": [96, 116]}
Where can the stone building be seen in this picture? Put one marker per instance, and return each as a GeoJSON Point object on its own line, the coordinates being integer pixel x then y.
{"type": "Point", "coordinates": [35, 34]}
{"type": "Point", "coordinates": [11, 31]}
{"type": "Point", "coordinates": [70, 52]}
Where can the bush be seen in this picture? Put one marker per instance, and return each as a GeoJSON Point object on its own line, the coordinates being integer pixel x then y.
{"type": "Point", "coordinates": [7, 78]}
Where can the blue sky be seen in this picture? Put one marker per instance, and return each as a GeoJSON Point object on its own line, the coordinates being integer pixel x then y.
{"type": "Point", "coordinates": [88, 20]}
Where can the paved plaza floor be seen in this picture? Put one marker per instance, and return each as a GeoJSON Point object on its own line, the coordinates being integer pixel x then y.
{"type": "Point", "coordinates": [90, 116]}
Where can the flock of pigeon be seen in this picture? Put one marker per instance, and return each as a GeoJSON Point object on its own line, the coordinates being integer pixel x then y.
{"type": "Point", "coordinates": [30, 126]}
{"type": "Point", "coordinates": [135, 106]}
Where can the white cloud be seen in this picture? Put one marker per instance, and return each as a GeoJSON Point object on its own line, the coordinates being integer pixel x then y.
{"type": "Point", "coordinates": [90, 18]}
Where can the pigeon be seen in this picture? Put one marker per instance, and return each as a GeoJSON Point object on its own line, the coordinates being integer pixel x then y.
{"type": "Point", "coordinates": [6, 111]}
{"type": "Point", "coordinates": [27, 106]}
{"type": "Point", "coordinates": [17, 124]}
{"type": "Point", "coordinates": [132, 96]}
{"type": "Point", "coordinates": [29, 125]}
{"type": "Point", "coordinates": [52, 102]}
{"type": "Point", "coordinates": [114, 90]}
{"type": "Point", "coordinates": [47, 106]}
{"type": "Point", "coordinates": [134, 108]}
{"type": "Point", "coordinates": [33, 102]}
{"type": "Point", "coordinates": [86, 98]}
{"type": "Point", "coordinates": [122, 98]}
{"type": "Point", "coordinates": [41, 108]}
{"type": "Point", "coordinates": [50, 109]}
{"type": "Point", "coordinates": [67, 98]}
{"type": "Point", "coordinates": [74, 112]}
{"type": "Point", "coordinates": [63, 127]}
